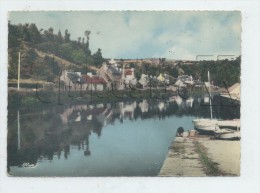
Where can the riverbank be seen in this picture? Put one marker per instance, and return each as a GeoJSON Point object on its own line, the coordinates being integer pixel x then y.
{"type": "Point", "coordinates": [202, 156]}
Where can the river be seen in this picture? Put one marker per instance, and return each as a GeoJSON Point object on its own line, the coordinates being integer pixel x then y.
{"type": "Point", "coordinates": [114, 139]}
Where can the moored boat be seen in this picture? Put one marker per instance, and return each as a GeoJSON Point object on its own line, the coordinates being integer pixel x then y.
{"type": "Point", "coordinates": [229, 124]}
{"type": "Point", "coordinates": [205, 126]}
{"type": "Point", "coordinates": [227, 134]}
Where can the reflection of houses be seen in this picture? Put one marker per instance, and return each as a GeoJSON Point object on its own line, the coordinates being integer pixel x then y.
{"type": "Point", "coordinates": [127, 109]}
{"type": "Point", "coordinates": [79, 113]}
{"type": "Point", "coordinates": [144, 106]}
{"type": "Point", "coordinates": [73, 80]}
{"type": "Point", "coordinates": [161, 106]}
{"type": "Point", "coordinates": [188, 103]}
{"type": "Point", "coordinates": [94, 82]}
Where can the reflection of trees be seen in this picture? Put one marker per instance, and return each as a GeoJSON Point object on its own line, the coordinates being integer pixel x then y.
{"type": "Point", "coordinates": [44, 135]}
{"type": "Point", "coordinates": [53, 131]}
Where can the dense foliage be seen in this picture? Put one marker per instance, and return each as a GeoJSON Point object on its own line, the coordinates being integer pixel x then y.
{"type": "Point", "coordinates": [29, 40]}
{"type": "Point", "coordinates": [221, 71]}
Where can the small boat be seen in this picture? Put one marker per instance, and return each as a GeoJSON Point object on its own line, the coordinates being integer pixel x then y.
{"type": "Point", "coordinates": [227, 134]}
{"type": "Point", "coordinates": [206, 126]}
{"type": "Point", "coordinates": [229, 124]}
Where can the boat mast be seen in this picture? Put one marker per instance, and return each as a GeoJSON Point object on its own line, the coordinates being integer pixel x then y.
{"type": "Point", "coordinates": [18, 113]}
{"type": "Point", "coordinates": [18, 81]}
{"type": "Point", "coordinates": [210, 97]}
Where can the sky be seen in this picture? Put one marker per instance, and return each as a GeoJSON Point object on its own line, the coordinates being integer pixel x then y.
{"type": "Point", "coordinates": [146, 34]}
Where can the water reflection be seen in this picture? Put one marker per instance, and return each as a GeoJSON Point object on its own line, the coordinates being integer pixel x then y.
{"type": "Point", "coordinates": [36, 137]}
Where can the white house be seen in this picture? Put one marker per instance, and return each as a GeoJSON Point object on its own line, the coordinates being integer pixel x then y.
{"type": "Point", "coordinates": [128, 76]}
{"type": "Point", "coordinates": [73, 80]}
{"type": "Point", "coordinates": [94, 82]}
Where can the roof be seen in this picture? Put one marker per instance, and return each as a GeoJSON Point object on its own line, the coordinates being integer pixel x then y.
{"type": "Point", "coordinates": [128, 72]}
{"type": "Point", "coordinates": [75, 78]}
{"type": "Point", "coordinates": [94, 80]}
{"type": "Point", "coordinates": [113, 70]}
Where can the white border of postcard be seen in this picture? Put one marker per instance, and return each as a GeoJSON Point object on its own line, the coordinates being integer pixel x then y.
{"type": "Point", "coordinates": [249, 179]}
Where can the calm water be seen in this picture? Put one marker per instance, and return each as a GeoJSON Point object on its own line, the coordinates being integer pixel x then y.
{"type": "Point", "coordinates": [114, 139]}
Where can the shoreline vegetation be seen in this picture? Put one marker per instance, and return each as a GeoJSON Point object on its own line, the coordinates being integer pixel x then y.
{"type": "Point", "coordinates": [41, 95]}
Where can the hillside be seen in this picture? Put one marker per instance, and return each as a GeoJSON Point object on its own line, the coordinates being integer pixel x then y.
{"type": "Point", "coordinates": [45, 54]}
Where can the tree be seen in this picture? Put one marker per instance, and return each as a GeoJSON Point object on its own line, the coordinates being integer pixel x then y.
{"type": "Point", "coordinates": [25, 32]}
{"type": "Point", "coordinates": [87, 33]}
{"type": "Point", "coordinates": [67, 36]}
{"type": "Point", "coordinates": [60, 38]}
{"type": "Point", "coordinates": [79, 40]}
{"type": "Point", "coordinates": [34, 33]}
{"type": "Point", "coordinates": [97, 57]}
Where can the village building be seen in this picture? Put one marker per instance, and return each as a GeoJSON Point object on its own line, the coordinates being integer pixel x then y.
{"type": "Point", "coordinates": [128, 77]}
{"type": "Point", "coordinates": [94, 82]}
{"type": "Point", "coordinates": [163, 78]}
{"type": "Point", "coordinates": [144, 80]}
{"type": "Point", "coordinates": [116, 77]}
{"type": "Point", "coordinates": [73, 80]}
{"type": "Point", "coordinates": [184, 80]}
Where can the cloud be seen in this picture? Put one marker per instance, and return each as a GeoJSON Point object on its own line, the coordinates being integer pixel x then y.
{"type": "Point", "coordinates": [144, 34]}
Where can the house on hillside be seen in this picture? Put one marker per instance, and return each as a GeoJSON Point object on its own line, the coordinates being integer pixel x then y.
{"type": "Point", "coordinates": [112, 75]}
{"type": "Point", "coordinates": [128, 77]}
{"type": "Point", "coordinates": [73, 80]}
{"type": "Point", "coordinates": [163, 78]}
{"type": "Point", "coordinates": [144, 80]}
{"type": "Point", "coordinates": [184, 80]}
{"type": "Point", "coordinates": [94, 82]}
{"type": "Point", "coordinates": [117, 77]}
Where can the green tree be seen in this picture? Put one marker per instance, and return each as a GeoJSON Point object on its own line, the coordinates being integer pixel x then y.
{"type": "Point", "coordinates": [97, 58]}
{"type": "Point", "coordinates": [60, 38]}
{"type": "Point", "coordinates": [34, 33]}
{"type": "Point", "coordinates": [67, 36]}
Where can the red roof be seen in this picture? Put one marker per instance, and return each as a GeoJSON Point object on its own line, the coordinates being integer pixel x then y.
{"type": "Point", "coordinates": [128, 72]}
{"type": "Point", "coordinates": [94, 79]}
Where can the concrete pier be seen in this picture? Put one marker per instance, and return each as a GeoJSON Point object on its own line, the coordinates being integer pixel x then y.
{"type": "Point", "coordinates": [182, 159]}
